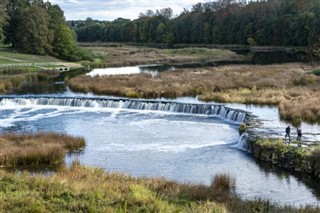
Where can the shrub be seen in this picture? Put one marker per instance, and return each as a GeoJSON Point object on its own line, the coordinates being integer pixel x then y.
{"type": "Point", "coordinates": [316, 72]}
{"type": "Point", "coordinates": [223, 184]}
{"type": "Point", "coordinates": [242, 128]}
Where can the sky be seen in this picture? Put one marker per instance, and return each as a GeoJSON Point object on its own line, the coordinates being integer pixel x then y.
{"type": "Point", "coordinates": [110, 10]}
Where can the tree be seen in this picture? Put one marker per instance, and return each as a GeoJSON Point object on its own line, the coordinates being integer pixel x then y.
{"type": "Point", "coordinates": [56, 16]}
{"type": "Point", "coordinates": [165, 12]}
{"type": "Point", "coordinates": [34, 34]}
{"type": "Point", "coordinates": [3, 18]}
{"type": "Point", "coordinates": [148, 13]}
{"type": "Point", "coordinates": [14, 9]}
{"type": "Point", "coordinates": [63, 43]}
{"type": "Point", "coordinates": [161, 30]}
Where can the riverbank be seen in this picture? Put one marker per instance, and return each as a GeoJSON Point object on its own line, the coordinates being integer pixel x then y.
{"type": "Point", "coordinates": [291, 156]}
{"type": "Point", "coordinates": [80, 188]}
{"type": "Point", "coordinates": [18, 69]}
{"type": "Point", "coordinates": [15, 78]}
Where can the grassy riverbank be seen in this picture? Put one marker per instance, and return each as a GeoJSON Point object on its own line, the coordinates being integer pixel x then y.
{"type": "Point", "coordinates": [123, 55]}
{"type": "Point", "coordinates": [36, 149]}
{"type": "Point", "coordinates": [17, 68]}
{"type": "Point", "coordinates": [83, 189]}
{"type": "Point", "coordinates": [14, 78]}
{"type": "Point", "coordinates": [11, 56]}
{"type": "Point", "coordinates": [295, 90]}
{"type": "Point", "coordinates": [294, 158]}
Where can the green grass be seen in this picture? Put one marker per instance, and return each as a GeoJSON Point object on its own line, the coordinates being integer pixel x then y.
{"type": "Point", "coordinates": [295, 158]}
{"type": "Point", "coordinates": [81, 189]}
{"type": "Point", "coordinates": [84, 189]}
{"type": "Point", "coordinates": [15, 57]}
{"type": "Point", "coordinates": [316, 72]}
{"type": "Point", "coordinates": [198, 51]}
{"type": "Point", "coordinates": [6, 61]}
{"type": "Point", "coordinates": [115, 56]}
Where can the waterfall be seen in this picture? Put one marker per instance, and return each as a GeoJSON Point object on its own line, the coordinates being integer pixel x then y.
{"type": "Point", "coordinates": [124, 103]}
{"type": "Point", "coordinates": [243, 142]}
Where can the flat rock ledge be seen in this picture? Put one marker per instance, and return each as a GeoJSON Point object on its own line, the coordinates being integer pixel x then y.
{"type": "Point", "coordinates": [286, 156]}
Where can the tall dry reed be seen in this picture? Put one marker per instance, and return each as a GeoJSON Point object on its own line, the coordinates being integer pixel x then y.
{"type": "Point", "coordinates": [36, 149]}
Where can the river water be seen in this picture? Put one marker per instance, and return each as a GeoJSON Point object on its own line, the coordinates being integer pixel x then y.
{"type": "Point", "coordinates": [179, 146]}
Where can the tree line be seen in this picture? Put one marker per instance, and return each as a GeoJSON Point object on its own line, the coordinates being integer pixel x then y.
{"type": "Point", "coordinates": [38, 27]}
{"type": "Point", "coordinates": [268, 22]}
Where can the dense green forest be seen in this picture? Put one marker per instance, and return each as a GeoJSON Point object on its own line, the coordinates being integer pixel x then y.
{"type": "Point", "coordinates": [269, 22]}
{"type": "Point", "coordinates": [38, 27]}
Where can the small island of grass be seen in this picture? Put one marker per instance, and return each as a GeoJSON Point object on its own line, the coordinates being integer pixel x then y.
{"type": "Point", "coordinates": [36, 149]}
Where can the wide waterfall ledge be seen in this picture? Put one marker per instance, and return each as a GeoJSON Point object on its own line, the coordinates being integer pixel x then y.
{"type": "Point", "coordinates": [229, 114]}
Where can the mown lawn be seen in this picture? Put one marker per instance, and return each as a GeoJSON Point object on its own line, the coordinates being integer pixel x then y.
{"type": "Point", "coordinates": [10, 56]}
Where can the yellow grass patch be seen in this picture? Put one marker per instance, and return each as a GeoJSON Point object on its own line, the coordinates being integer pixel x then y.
{"type": "Point", "coordinates": [36, 149]}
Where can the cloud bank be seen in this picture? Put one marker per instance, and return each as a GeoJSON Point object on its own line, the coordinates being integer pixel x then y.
{"type": "Point", "coordinates": [113, 9]}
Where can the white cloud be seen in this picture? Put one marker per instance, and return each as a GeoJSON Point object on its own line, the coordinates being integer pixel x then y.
{"type": "Point", "coordinates": [112, 9]}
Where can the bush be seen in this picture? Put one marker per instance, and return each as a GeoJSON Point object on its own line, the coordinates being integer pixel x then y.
{"type": "Point", "coordinates": [242, 128]}
{"type": "Point", "coordinates": [316, 72]}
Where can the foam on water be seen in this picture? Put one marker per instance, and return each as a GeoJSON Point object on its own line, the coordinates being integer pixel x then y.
{"type": "Point", "coordinates": [232, 115]}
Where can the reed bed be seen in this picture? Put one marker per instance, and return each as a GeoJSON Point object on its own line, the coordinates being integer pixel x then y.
{"type": "Point", "coordinates": [286, 85]}
{"type": "Point", "coordinates": [133, 55]}
{"type": "Point", "coordinates": [83, 189]}
{"type": "Point", "coordinates": [14, 79]}
{"type": "Point", "coordinates": [36, 149]}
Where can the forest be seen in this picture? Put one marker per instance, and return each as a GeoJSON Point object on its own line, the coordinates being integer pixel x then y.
{"type": "Point", "coordinates": [268, 23]}
{"type": "Point", "coordinates": [38, 27]}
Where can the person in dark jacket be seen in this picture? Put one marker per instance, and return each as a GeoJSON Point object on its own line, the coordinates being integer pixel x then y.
{"type": "Point", "coordinates": [288, 133]}
{"type": "Point", "coordinates": [299, 133]}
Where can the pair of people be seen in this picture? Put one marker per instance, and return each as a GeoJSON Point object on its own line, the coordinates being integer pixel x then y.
{"type": "Point", "coordinates": [299, 133]}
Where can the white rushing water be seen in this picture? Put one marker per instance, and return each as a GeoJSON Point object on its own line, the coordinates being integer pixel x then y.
{"type": "Point", "coordinates": [135, 104]}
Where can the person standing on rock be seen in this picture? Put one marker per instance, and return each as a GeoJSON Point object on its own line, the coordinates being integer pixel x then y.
{"type": "Point", "coordinates": [288, 133]}
{"type": "Point", "coordinates": [299, 133]}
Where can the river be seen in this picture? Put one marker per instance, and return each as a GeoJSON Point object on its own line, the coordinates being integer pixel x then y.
{"type": "Point", "coordinates": [181, 146]}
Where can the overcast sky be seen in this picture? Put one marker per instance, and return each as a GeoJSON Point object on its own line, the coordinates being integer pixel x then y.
{"type": "Point", "coordinates": [113, 9]}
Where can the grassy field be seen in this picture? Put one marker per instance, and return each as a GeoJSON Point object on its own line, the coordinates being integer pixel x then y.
{"type": "Point", "coordinates": [83, 189]}
{"type": "Point", "coordinates": [295, 90]}
{"type": "Point", "coordinates": [122, 55]}
{"type": "Point", "coordinates": [36, 149]}
{"type": "Point", "coordinates": [10, 56]}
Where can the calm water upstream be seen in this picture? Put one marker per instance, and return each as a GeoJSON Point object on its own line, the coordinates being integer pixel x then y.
{"type": "Point", "coordinates": [153, 70]}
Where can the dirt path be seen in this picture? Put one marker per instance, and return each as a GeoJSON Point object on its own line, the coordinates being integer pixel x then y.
{"type": "Point", "coordinates": [71, 64]}
{"type": "Point", "coordinates": [13, 59]}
